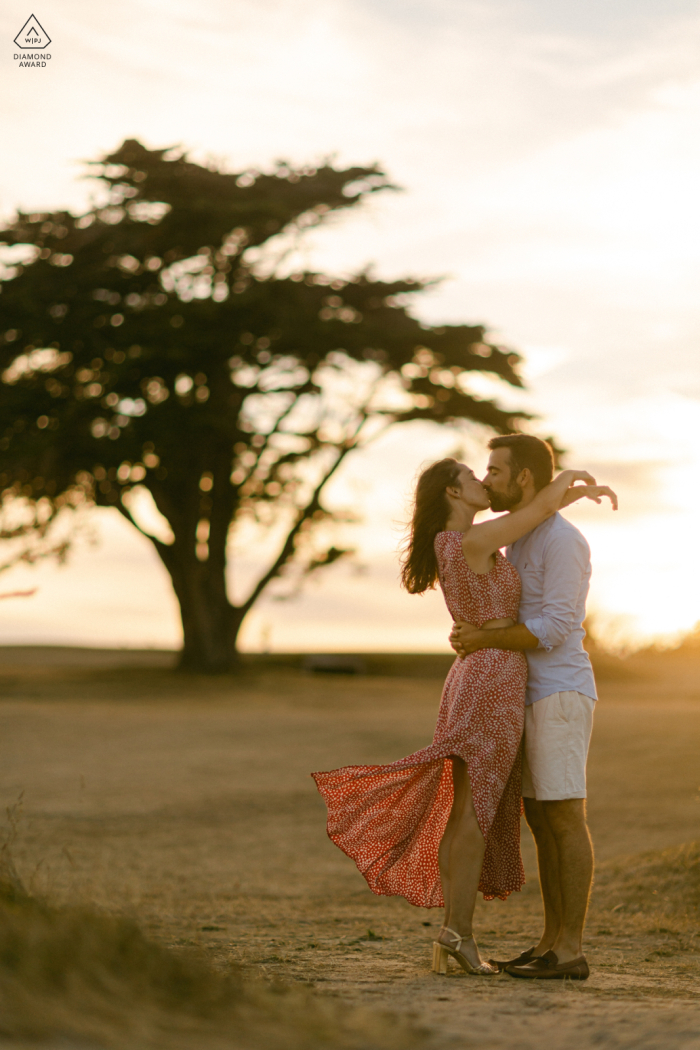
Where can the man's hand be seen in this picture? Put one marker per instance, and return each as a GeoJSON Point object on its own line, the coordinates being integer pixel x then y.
{"type": "Point", "coordinates": [465, 638]}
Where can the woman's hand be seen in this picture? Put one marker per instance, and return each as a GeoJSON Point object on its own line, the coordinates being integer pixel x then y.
{"type": "Point", "coordinates": [588, 491]}
{"type": "Point", "coordinates": [576, 475]}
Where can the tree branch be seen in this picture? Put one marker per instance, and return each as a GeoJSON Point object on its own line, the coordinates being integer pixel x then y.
{"type": "Point", "coordinates": [164, 549]}
{"type": "Point", "coordinates": [288, 547]}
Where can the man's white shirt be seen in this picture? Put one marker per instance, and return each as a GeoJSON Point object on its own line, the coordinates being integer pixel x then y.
{"type": "Point", "coordinates": [554, 564]}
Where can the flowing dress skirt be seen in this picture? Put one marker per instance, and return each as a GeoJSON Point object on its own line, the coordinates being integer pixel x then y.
{"type": "Point", "coordinates": [390, 819]}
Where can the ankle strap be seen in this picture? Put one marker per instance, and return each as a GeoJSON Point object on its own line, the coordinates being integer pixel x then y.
{"type": "Point", "coordinates": [458, 937]}
{"type": "Point", "coordinates": [453, 933]}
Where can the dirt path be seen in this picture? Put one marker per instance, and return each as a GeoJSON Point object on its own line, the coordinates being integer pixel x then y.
{"type": "Point", "coordinates": [189, 804]}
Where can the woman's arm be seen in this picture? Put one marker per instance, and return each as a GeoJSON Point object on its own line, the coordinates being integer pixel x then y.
{"type": "Point", "coordinates": [490, 536]}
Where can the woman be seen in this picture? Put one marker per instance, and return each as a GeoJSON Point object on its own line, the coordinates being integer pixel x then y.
{"type": "Point", "coordinates": [443, 823]}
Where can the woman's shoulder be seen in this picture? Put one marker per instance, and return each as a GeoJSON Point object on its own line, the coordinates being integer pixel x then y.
{"type": "Point", "coordinates": [448, 540]}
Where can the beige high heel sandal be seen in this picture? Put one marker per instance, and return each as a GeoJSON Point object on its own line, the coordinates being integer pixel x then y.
{"type": "Point", "coordinates": [441, 952]}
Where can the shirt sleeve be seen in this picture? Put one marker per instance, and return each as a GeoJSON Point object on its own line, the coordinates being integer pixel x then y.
{"type": "Point", "coordinates": [566, 563]}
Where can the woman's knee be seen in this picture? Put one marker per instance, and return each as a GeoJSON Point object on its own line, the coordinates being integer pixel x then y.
{"type": "Point", "coordinates": [466, 823]}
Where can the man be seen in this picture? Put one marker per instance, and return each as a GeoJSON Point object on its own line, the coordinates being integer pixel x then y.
{"type": "Point", "coordinates": [554, 566]}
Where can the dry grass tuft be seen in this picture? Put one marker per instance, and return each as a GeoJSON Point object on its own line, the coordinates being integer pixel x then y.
{"type": "Point", "coordinates": [81, 974]}
{"type": "Point", "coordinates": [660, 883]}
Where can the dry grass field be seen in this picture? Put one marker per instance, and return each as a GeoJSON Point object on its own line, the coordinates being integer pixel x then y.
{"type": "Point", "coordinates": [185, 805]}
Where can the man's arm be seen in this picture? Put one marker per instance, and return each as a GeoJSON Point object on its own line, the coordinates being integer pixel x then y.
{"type": "Point", "coordinates": [465, 638]}
{"type": "Point", "coordinates": [566, 562]}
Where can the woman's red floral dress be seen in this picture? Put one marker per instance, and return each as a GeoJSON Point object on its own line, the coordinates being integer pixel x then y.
{"type": "Point", "coordinates": [390, 819]}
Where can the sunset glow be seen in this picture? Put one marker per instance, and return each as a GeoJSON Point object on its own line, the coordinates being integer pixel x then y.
{"type": "Point", "coordinates": [549, 163]}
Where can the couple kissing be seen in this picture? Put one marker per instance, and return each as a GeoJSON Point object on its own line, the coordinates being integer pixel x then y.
{"type": "Point", "coordinates": [515, 719]}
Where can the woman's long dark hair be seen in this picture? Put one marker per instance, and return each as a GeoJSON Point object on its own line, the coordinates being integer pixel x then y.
{"type": "Point", "coordinates": [419, 569]}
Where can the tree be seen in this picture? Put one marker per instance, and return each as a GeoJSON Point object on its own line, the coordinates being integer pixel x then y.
{"type": "Point", "coordinates": [153, 341]}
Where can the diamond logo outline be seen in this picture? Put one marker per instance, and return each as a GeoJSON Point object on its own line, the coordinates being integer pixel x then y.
{"type": "Point", "coordinates": [31, 22]}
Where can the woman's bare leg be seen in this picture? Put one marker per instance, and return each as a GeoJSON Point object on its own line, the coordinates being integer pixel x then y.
{"type": "Point", "coordinates": [445, 847]}
{"type": "Point", "coordinates": [461, 856]}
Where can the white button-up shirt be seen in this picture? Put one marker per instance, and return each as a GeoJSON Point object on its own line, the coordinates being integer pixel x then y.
{"type": "Point", "coordinates": [554, 563]}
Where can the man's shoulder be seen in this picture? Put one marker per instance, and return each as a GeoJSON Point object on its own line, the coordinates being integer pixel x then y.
{"type": "Point", "coordinates": [562, 533]}
{"type": "Point", "coordinates": [560, 524]}
{"type": "Point", "coordinates": [555, 533]}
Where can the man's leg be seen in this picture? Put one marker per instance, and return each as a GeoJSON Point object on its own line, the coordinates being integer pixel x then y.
{"type": "Point", "coordinates": [548, 867]}
{"type": "Point", "coordinates": [557, 734]}
{"type": "Point", "coordinates": [566, 820]}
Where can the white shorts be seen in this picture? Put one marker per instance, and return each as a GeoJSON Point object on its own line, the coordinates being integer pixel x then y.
{"type": "Point", "coordinates": [557, 734]}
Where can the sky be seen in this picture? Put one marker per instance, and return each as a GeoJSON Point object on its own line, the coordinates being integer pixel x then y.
{"type": "Point", "coordinates": [549, 159]}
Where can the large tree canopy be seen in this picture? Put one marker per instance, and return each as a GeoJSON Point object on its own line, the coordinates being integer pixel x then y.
{"type": "Point", "coordinates": [152, 342]}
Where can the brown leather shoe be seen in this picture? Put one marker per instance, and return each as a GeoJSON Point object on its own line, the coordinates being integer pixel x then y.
{"type": "Point", "coordinates": [548, 968]}
{"type": "Point", "coordinates": [525, 957]}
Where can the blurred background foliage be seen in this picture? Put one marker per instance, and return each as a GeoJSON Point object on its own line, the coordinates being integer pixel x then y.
{"type": "Point", "coordinates": [158, 357]}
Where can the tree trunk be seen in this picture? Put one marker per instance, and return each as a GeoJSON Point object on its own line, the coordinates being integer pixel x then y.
{"type": "Point", "coordinates": [210, 624]}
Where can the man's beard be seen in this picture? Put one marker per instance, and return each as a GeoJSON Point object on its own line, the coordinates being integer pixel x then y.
{"type": "Point", "coordinates": [505, 500]}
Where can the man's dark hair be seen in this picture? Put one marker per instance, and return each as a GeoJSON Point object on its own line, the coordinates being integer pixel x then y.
{"type": "Point", "coordinates": [530, 452]}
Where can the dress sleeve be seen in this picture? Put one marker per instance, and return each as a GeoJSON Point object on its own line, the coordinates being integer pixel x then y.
{"type": "Point", "coordinates": [443, 544]}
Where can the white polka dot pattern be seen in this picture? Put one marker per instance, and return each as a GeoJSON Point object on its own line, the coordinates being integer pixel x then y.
{"type": "Point", "coordinates": [390, 819]}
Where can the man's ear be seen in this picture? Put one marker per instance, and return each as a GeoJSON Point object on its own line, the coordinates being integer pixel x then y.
{"type": "Point", "coordinates": [523, 477]}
